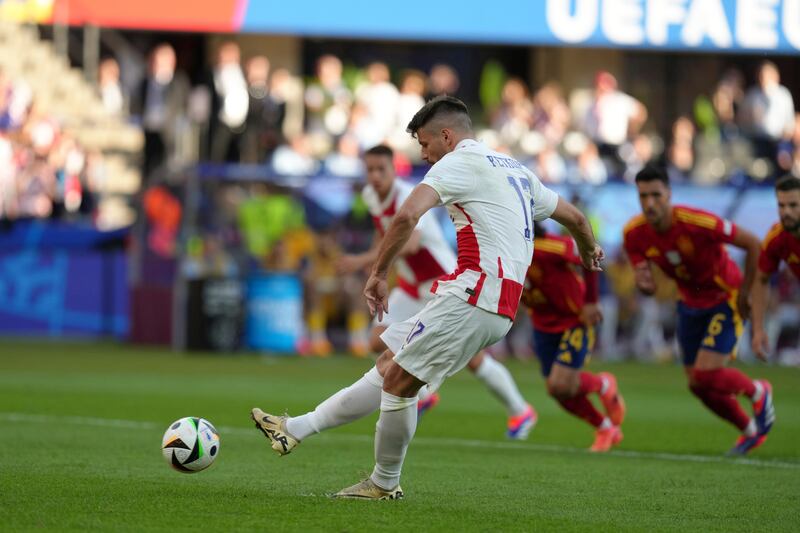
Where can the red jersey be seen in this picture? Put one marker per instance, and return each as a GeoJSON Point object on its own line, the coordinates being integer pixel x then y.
{"type": "Point", "coordinates": [555, 291]}
{"type": "Point", "coordinates": [779, 245]}
{"type": "Point", "coordinates": [692, 252]}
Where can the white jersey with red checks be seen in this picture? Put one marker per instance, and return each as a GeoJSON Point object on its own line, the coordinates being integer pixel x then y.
{"type": "Point", "coordinates": [493, 201]}
{"type": "Point", "coordinates": [434, 258]}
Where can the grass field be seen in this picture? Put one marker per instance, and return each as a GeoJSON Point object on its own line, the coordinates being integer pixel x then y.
{"type": "Point", "coordinates": [82, 426]}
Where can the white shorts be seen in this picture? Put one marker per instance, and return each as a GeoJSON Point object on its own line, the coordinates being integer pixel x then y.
{"type": "Point", "coordinates": [403, 306]}
{"type": "Point", "coordinates": [440, 340]}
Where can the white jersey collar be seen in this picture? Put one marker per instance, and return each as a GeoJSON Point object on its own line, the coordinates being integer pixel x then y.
{"type": "Point", "coordinates": [466, 143]}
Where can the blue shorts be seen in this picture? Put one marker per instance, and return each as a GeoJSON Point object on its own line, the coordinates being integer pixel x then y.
{"type": "Point", "coordinates": [569, 348]}
{"type": "Point", "coordinates": [716, 329]}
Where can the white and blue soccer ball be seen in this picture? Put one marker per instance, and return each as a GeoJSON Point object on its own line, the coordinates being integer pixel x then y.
{"type": "Point", "coordinates": [190, 444]}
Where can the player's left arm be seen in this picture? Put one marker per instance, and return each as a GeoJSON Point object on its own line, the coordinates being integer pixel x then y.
{"type": "Point", "coordinates": [750, 244]}
{"type": "Point", "coordinates": [421, 200]}
{"type": "Point", "coordinates": [578, 225]}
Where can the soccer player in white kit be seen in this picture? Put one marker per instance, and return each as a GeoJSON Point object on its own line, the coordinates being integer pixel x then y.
{"type": "Point", "coordinates": [493, 201]}
{"type": "Point", "coordinates": [425, 258]}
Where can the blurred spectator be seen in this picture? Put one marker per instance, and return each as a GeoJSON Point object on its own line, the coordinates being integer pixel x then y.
{"type": "Point", "coordinates": [512, 120]}
{"type": "Point", "coordinates": [768, 114]}
{"type": "Point", "coordinates": [613, 116]}
{"type": "Point", "coordinates": [295, 158]}
{"type": "Point", "coordinates": [265, 114]}
{"type": "Point", "coordinates": [411, 98]}
{"type": "Point", "coordinates": [789, 151]}
{"type": "Point", "coordinates": [230, 104]}
{"type": "Point", "coordinates": [8, 178]}
{"type": "Point", "coordinates": [346, 160]}
{"type": "Point", "coordinates": [727, 100]}
{"type": "Point", "coordinates": [109, 86]}
{"type": "Point", "coordinates": [362, 127]}
{"type": "Point", "coordinates": [69, 161]}
{"type": "Point", "coordinates": [444, 80]}
{"type": "Point", "coordinates": [5, 100]}
{"type": "Point", "coordinates": [551, 116]}
{"type": "Point", "coordinates": [16, 99]}
{"type": "Point", "coordinates": [380, 99]}
{"type": "Point", "coordinates": [589, 168]}
{"type": "Point", "coordinates": [287, 91]}
{"type": "Point", "coordinates": [549, 166]}
{"type": "Point", "coordinates": [328, 102]}
{"type": "Point", "coordinates": [325, 292]}
{"type": "Point", "coordinates": [636, 154]}
{"type": "Point", "coordinates": [160, 103]}
{"type": "Point", "coordinates": [36, 180]}
{"type": "Point", "coordinates": [680, 153]}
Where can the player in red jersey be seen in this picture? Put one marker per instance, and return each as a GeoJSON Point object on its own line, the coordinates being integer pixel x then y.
{"type": "Point", "coordinates": [564, 311]}
{"type": "Point", "coordinates": [688, 245]}
{"type": "Point", "coordinates": [782, 243]}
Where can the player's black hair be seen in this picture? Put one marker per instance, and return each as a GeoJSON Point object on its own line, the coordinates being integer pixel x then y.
{"type": "Point", "coordinates": [652, 173]}
{"type": "Point", "coordinates": [787, 183]}
{"type": "Point", "coordinates": [538, 229]}
{"type": "Point", "coordinates": [448, 107]}
{"type": "Point", "coordinates": [381, 149]}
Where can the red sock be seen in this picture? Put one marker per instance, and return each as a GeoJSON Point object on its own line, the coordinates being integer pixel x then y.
{"type": "Point", "coordinates": [725, 380]}
{"type": "Point", "coordinates": [581, 407]}
{"type": "Point", "coordinates": [590, 383]}
{"type": "Point", "coordinates": [724, 405]}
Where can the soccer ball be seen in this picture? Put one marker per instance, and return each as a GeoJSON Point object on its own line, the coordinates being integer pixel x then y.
{"type": "Point", "coordinates": [190, 444]}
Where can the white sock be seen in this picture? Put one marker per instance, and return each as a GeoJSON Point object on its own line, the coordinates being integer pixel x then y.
{"type": "Point", "coordinates": [393, 432]}
{"type": "Point", "coordinates": [751, 429]}
{"type": "Point", "coordinates": [356, 401]}
{"type": "Point", "coordinates": [498, 380]}
{"type": "Point", "coordinates": [605, 424]}
{"type": "Point", "coordinates": [425, 392]}
{"type": "Point", "coordinates": [759, 390]}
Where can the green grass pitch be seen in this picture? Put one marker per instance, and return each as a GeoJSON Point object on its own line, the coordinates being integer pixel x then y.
{"type": "Point", "coordinates": [82, 426]}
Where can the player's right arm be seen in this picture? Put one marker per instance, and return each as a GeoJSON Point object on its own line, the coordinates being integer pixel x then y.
{"type": "Point", "coordinates": [578, 225]}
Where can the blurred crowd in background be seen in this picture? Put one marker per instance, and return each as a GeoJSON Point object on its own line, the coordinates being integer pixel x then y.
{"type": "Point", "coordinates": [307, 124]}
{"type": "Point", "coordinates": [323, 121]}
{"type": "Point", "coordinates": [44, 171]}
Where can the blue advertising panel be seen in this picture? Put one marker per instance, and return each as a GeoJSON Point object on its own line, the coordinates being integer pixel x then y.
{"type": "Point", "coordinates": [274, 312]}
{"type": "Point", "coordinates": [63, 292]}
{"type": "Point", "coordinates": [720, 25]}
